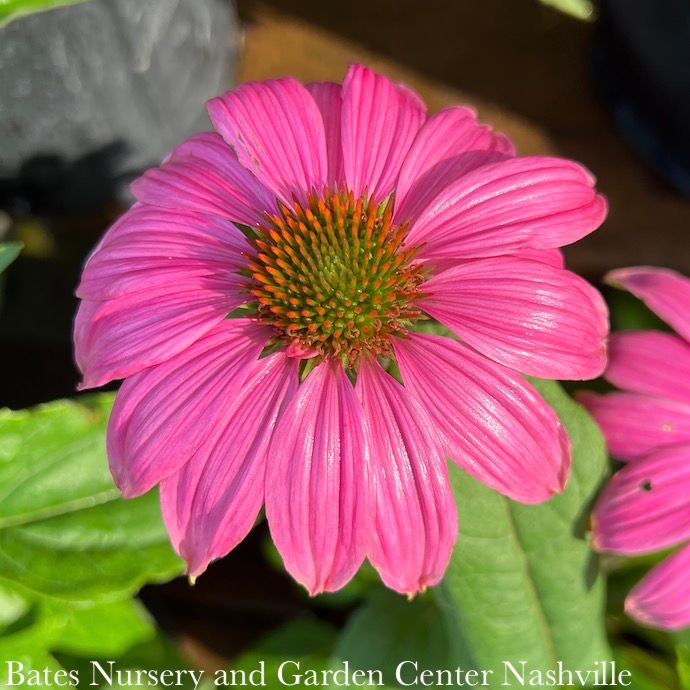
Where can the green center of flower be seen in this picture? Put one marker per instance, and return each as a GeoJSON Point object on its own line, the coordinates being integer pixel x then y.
{"type": "Point", "coordinates": [333, 278]}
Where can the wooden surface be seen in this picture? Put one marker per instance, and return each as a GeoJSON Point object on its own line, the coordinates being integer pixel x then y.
{"type": "Point", "coordinates": [526, 69]}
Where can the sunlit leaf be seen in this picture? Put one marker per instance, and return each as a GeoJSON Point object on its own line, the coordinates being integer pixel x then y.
{"type": "Point", "coordinates": [64, 530]}
{"type": "Point", "coordinates": [13, 9]}
{"type": "Point", "coordinates": [9, 251]}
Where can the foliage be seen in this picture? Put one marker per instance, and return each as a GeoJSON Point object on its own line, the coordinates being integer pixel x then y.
{"type": "Point", "coordinates": [304, 641]}
{"type": "Point", "coordinates": [579, 9]}
{"type": "Point", "coordinates": [9, 251]}
{"type": "Point", "coordinates": [64, 531]}
{"type": "Point", "coordinates": [13, 9]}
{"type": "Point", "coordinates": [72, 553]}
{"type": "Point", "coordinates": [683, 654]}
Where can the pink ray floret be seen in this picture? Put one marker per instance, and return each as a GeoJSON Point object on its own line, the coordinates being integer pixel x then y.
{"type": "Point", "coordinates": [646, 506]}
{"type": "Point", "coordinates": [271, 273]}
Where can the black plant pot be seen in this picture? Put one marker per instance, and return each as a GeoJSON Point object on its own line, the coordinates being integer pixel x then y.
{"type": "Point", "coordinates": [92, 93]}
{"type": "Point", "coordinates": [642, 64]}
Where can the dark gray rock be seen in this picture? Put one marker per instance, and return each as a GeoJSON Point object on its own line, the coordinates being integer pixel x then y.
{"type": "Point", "coordinates": [91, 93]}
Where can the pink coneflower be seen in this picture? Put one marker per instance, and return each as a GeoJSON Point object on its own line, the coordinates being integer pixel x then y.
{"type": "Point", "coordinates": [260, 293]}
{"type": "Point", "coordinates": [646, 506]}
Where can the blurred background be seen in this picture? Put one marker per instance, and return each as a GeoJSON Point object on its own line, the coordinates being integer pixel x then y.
{"type": "Point", "coordinates": [93, 93]}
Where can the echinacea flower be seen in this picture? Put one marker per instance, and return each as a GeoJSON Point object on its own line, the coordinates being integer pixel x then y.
{"type": "Point", "coordinates": [646, 506]}
{"type": "Point", "coordinates": [259, 293]}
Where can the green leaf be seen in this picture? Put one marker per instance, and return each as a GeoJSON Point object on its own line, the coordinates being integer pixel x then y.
{"type": "Point", "coordinates": [66, 636]}
{"type": "Point", "coordinates": [58, 635]}
{"type": "Point", "coordinates": [50, 627]}
{"type": "Point", "coordinates": [523, 583]}
{"type": "Point", "coordinates": [306, 641]}
{"type": "Point", "coordinates": [13, 9]}
{"type": "Point", "coordinates": [631, 314]}
{"type": "Point", "coordinates": [106, 630]}
{"type": "Point", "coordinates": [389, 630]}
{"type": "Point", "coordinates": [35, 660]}
{"type": "Point", "coordinates": [64, 531]}
{"type": "Point", "coordinates": [12, 607]}
{"type": "Point", "coordinates": [9, 251]}
{"type": "Point", "coordinates": [27, 641]}
{"type": "Point", "coordinates": [683, 653]}
{"type": "Point", "coordinates": [157, 654]}
{"type": "Point", "coordinates": [682, 637]}
{"type": "Point", "coordinates": [648, 672]}
{"type": "Point", "coordinates": [34, 633]}
{"type": "Point", "coordinates": [579, 9]}
{"type": "Point", "coordinates": [684, 667]}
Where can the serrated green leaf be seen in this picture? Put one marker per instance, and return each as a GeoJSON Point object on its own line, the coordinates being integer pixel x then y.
{"type": "Point", "coordinates": [523, 583]}
{"type": "Point", "coordinates": [13, 9]}
{"type": "Point", "coordinates": [9, 251]}
{"type": "Point", "coordinates": [64, 531]}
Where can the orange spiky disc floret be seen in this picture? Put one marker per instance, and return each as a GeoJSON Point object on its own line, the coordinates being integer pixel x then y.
{"type": "Point", "coordinates": [333, 277]}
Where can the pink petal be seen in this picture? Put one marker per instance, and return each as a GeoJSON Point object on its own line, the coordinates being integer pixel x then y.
{"type": "Point", "coordinates": [665, 292]}
{"type": "Point", "coordinates": [553, 257]}
{"type": "Point", "coordinates": [646, 506]}
{"type": "Point", "coordinates": [211, 504]}
{"type": "Point", "coordinates": [380, 119]}
{"type": "Point", "coordinates": [650, 362]}
{"type": "Point", "coordinates": [491, 422]}
{"type": "Point", "coordinates": [119, 337]}
{"type": "Point", "coordinates": [500, 208]}
{"type": "Point", "coordinates": [329, 99]}
{"type": "Point", "coordinates": [449, 145]}
{"type": "Point", "coordinates": [204, 175]}
{"type": "Point", "coordinates": [635, 425]}
{"type": "Point", "coordinates": [162, 415]}
{"type": "Point", "coordinates": [416, 518]}
{"type": "Point", "coordinates": [277, 131]}
{"type": "Point", "coordinates": [528, 315]}
{"type": "Point", "coordinates": [151, 247]}
{"type": "Point", "coordinates": [319, 493]}
{"type": "Point", "coordinates": [662, 598]}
